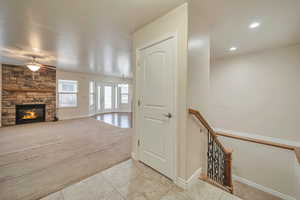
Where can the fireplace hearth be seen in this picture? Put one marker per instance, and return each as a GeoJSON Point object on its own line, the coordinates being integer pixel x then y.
{"type": "Point", "coordinates": [30, 113]}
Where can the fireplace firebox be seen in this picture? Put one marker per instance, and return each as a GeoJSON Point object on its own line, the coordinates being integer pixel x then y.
{"type": "Point", "coordinates": [30, 113]}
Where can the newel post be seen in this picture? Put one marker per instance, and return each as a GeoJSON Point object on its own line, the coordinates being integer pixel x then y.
{"type": "Point", "coordinates": [228, 172]}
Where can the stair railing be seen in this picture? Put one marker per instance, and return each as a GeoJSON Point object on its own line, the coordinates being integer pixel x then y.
{"type": "Point", "coordinates": [219, 159]}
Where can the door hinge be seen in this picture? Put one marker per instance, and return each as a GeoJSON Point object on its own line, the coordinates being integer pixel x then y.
{"type": "Point", "coordinates": [139, 143]}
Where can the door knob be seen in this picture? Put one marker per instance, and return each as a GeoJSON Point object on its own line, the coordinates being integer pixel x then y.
{"type": "Point", "coordinates": [169, 115]}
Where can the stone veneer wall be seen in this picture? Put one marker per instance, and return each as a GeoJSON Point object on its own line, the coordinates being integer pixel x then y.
{"type": "Point", "coordinates": [19, 77]}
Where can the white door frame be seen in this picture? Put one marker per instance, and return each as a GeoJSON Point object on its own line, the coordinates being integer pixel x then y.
{"type": "Point", "coordinates": [138, 95]}
{"type": "Point", "coordinates": [99, 84]}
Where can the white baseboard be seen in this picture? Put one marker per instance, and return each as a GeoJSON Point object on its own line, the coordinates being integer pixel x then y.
{"type": "Point", "coordinates": [180, 182]}
{"type": "Point", "coordinates": [194, 178]}
{"type": "Point", "coordinates": [260, 137]}
{"type": "Point", "coordinates": [75, 117]}
{"type": "Point", "coordinates": [263, 188]}
{"type": "Point", "coordinates": [185, 184]}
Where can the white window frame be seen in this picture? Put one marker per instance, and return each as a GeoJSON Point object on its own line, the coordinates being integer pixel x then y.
{"type": "Point", "coordinates": [120, 93]}
{"type": "Point", "coordinates": [92, 94]}
{"type": "Point", "coordinates": [67, 92]}
{"type": "Point", "coordinates": [99, 97]}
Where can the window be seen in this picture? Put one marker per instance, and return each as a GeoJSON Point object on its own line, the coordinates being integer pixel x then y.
{"type": "Point", "coordinates": [124, 90]}
{"type": "Point", "coordinates": [67, 93]}
{"type": "Point", "coordinates": [92, 93]}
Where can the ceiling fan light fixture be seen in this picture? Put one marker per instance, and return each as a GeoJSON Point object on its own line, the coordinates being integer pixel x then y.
{"type": "Point", "coordinates": [34, 67]}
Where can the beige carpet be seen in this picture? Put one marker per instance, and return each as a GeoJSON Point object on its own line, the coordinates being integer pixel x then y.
{"type": "Point", "coordinates": [38, 159]}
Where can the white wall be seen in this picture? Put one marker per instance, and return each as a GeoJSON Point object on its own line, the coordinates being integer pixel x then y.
{"type": "Point", "coordinates": [197, 85]}
{"type": "Point", "coordinates": [173, 22]}
{"type": "Point", "coordinates": [82, 110]}
{"type": "Point", "coordinates": [270, 167]}
{"type": "Point", "coordinates": [258, 93]}
{"type": "Point", "coordinates": [297, 177]}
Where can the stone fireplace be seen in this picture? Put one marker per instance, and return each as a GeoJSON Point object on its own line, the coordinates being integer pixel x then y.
{"type": "Point", "coordinates": [26, 96]}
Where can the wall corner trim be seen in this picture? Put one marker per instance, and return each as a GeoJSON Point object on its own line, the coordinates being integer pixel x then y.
{"type": "Point", "coordinates": [263, 188]}
{"type": "Point", "coordinates": [134, 156]}
{"type": "Point", "coordinates": [185, 184]}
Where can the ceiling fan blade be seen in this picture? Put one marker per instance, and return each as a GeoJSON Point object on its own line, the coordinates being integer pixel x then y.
{"type": "Point", "coordinates": [49, 67]}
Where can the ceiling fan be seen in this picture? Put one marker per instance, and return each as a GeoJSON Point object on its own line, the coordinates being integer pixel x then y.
{"type": "Point", "coordinates": [35, 66]}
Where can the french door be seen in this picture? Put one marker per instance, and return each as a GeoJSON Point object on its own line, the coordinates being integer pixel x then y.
{"type": "Point", "coordinates": [112, 97]}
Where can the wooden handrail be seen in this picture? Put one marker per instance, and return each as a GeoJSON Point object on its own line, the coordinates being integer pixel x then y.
{"type": "Point", "coordinates": [263, 142]}
{"type": "Point", "coordinates": [201, 119]}
{"type": "Point", "coordinates": [227, 153]}
{"type": "Point", "coordinates": [258, 141]}
{"type": "Point", "coordinates": [209, 128]}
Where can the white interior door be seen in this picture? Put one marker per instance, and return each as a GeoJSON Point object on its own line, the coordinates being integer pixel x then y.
{"type": "Point", "coordinates": [157, 125]}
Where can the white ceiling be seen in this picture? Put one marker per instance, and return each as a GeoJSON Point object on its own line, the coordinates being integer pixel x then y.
{"type": "Point", "coordinates": [95, 35]}
{"type": "Point", "coordinates": [79, 35]}
{"type": "Point", "coordinates": [280, 26]}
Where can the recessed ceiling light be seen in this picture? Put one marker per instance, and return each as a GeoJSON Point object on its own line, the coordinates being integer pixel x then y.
{"type": "Point", "coordinates": [232, 49]}
{"type": "Point", "coordinates": [254, 25]}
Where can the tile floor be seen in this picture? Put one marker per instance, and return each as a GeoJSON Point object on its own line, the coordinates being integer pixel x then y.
{"type": "Point", "coordinates": [132, 180]}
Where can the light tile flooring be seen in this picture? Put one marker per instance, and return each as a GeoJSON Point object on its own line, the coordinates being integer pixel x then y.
{"type": "Point", "coordinates": [132, 180]}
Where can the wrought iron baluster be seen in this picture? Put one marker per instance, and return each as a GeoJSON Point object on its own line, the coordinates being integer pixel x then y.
{"type": "Point", "coordinates": [216, 160]}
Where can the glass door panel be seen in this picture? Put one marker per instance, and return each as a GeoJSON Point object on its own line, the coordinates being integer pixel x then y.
{"type": "Point", "coordinates": [108, 97]}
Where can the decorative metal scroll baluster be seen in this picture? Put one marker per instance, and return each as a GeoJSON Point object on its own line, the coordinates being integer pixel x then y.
{"type": "Point", "coordinates": [216, 161]}
{"type": "Point", "coordinates": [219, 159]}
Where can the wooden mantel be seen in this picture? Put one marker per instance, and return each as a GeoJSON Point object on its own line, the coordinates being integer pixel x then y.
{"type": "Point", "coordinates": [28, 90]}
